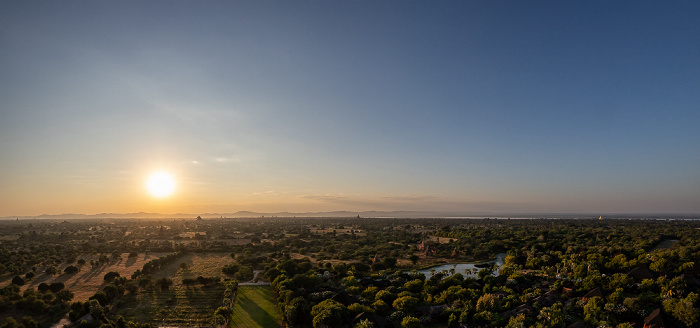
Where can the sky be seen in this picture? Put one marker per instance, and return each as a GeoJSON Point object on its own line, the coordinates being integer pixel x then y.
{"type": "Point", "coordinates": [270, 106]}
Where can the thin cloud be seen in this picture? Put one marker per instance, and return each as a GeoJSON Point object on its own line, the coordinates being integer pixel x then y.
{"type": "Point", "coordinates": [402, 199]}
{"type": "Point", "coordinates": [324, 198]}
{"type": "Point", "coordinates": [267, 193]}
{"type": "Point", "coordinates": [227, 159]}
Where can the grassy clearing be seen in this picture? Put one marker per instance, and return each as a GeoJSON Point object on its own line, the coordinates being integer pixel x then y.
{"type": "Point", "coordinates": [442, 240]}
{"type": "Point", "coordinates": [198, 264]}
{"type": "Point", "coordinates": [255, 307]}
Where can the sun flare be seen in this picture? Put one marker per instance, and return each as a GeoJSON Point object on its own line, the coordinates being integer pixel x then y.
{"type": "Point", "coordinates": [160, 184]}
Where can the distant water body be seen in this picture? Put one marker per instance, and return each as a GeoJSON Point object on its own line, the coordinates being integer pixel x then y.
{"type": "Point", "coordinates": [466, 269]}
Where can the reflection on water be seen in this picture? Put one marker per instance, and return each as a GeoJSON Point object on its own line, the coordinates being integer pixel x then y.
{"type": "Point", "coordinates": [466, 269]}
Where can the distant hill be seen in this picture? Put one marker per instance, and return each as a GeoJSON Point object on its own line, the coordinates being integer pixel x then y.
{"type": "Point", "coordinates": [239, 214]}
{"type": "Point", "coordinates": [364, 214]}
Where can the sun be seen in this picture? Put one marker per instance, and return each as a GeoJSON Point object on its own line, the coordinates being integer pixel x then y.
{"type": "Point", "coordinates": [160, 184]}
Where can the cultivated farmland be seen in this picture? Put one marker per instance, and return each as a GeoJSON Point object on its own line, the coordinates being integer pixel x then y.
{"type": "Point", "coordinates": [181, 305]}
{"type": "Point", "coordinates": [255, 307]}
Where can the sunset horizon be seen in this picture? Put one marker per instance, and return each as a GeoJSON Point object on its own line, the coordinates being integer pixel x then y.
{"type": "Point", "coordinates": [456, 107]}
{"type": "Point", "coordinates": [349, 164]}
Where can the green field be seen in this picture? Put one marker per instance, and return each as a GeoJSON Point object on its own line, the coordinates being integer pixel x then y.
{"type": "Point", "coordinates": [255, 307]}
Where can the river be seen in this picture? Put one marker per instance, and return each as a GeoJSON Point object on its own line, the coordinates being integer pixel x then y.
{"type": "Point", "coordinates": [466, 269]}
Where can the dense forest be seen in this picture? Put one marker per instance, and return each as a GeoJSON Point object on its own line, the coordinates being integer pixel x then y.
{"type": "Point", "coordinates": [368, 272]}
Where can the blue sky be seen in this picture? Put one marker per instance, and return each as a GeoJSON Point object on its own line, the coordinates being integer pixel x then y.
{"type": "Point", "coordinates": [489, 106]}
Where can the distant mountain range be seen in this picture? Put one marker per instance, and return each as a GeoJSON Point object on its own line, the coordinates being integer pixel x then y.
{"type": "Point", "coordinates": [337, 214]}
{"type": "Point", "coordinates": [240, 214]}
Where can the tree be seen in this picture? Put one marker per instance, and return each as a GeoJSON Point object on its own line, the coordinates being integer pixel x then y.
{"type": "Point", "coordinates": [682, 310]}
{"type": "Point", "coordinates": [414, 258]}
{"type": "Point", "coordinates": [222, 316]}
{"type": "Point", "coordinates": [328, 313]}
{"type": "Point", "coordinates": [389, 262]}
{"type": "Point", "coordinates": [245, 273]}
{"type": "Point", "coordinates": [64, 295]}
{"type": "Point", "coordinates": [619, 280]}
{"type": "Point", "coordinates": [51, 270]}
{"type": "Point", "coordinates": [485, 272]}
{"type": "Point", "coordinates": [11, 323]}
{"type": "Point", "coordinates": [552, 316]}
{"type": "Point", "coordinates": [486, 318]}
{"type": "Point", "coordinates": [414, 286]}
{"type": "Point", "coordinates": [618, 263]}
{"type": "Point", "coordinates": [164, 283]}
{"type": "Point", "coordinates": [380, 307]}
{"type": "Point", "coordinates": [452, 321]}
{"type": "Point", "coordinates": [487, 302]}
{"type": "Point", "coordinates": [71, 269]}
{"type": "Point", "coordinates": [518, 321]}
{"type": "Point", "coordinates": [28, 322]}
{"type": "Point", "coordinates": [385, 296]}
{"type": "Point", "coordinates": [593, 310]}
{"type": "Point", "coordinates": [411, 322]}
{"type": "Point", "coordinates": [56, 286]}
{"type": "Point", "coordinates": [406, 304]}
{"type": "Point", "coordinates": [296, 311]}
{"type": "Point", "coordinates": [111, 276]}
{"type": "Point", "coordinates": [43, 287]}
{"type": "Point", "coordinates": [111, 291]}
{"type": "Point", "coordinates": [96, 309]}
{"type": "Point", "coordinates": [17, 280]}
{"type": "Point", "coordinates": [365, 324]}
{"type": "Point", "coordinates": [100, 297]}
{"type": "Point", "coordinates": [131, 288]}
{"type": "Point", "coordinates": [231, 269]}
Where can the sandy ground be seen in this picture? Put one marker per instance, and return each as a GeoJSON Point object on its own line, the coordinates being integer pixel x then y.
{"type": "Point", "coordinates": [88, 280]}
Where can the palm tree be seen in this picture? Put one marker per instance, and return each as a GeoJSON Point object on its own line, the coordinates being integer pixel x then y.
{"type": "Point", "coordinates": [365, 324]}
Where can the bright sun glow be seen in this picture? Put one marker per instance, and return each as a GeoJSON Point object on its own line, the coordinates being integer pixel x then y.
{"type": "Point", "coordinates": [160, 184]}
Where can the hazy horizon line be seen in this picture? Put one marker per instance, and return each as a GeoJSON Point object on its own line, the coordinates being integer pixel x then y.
{"type": "Point", "coordinates": [347, 213]}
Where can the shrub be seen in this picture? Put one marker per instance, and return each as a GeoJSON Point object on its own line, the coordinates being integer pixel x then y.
{"type": "Point", "coordinates": [56, 286]}
{"type": "Point", "coordinates": [17, 280]}
{"type": "Point", "coordinates": [52, 270]}
{"type": "Point", "coordinates": [71, 269]}
{"type": "Point", "coordinates": [43, 287]}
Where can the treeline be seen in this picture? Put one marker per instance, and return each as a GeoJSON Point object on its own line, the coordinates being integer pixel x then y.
{"type": "Point", "coordinates": [34, 308]}
{"type": "Point", "coordinates": [155, 264]}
